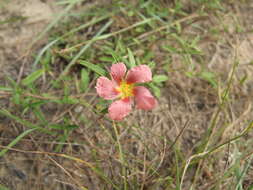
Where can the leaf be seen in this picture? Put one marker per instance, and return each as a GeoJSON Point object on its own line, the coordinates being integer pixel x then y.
{"type": "Point", "coordinates": [160, 78]}
{"type": "Point", "coordinates": [3, 88]}
{"type": "Point", "coordinates": [3, 187]}
{"type": "Point", "coordinates": [106, 59]}
{"type": "Point", "coordinates": [6, 113]}
{"type": "Point", "coordinates": [97, 69]}
{"type": "Point", "coordinates": [84, 83]}
{"type": "Point", "coordinates": [32, 77]}
{"type": "Point", "coordinates": [63, 127]}
{"type": "Point", "coordinates": [16, 140]}
{"type": "Point", "coordinates": [210, 77]}
{"type": "Point", "coordinates": [156, 90]}
{"type": "Point", "coordinates": [189, 74]}
{"type": "Point", "coordinates": [69, 100]}
{"type": "Point", "coordinates": [16, 97]}
{"type": "Point", "coordinates": [171, 49]}
{"type": "Point", "coordinates": [62, 139]}
{"type": "Point", "coordinates": [131, 58]}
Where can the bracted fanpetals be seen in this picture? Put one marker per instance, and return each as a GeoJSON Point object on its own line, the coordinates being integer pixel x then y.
{"type": "Point", "coordinates": [106, 88]}
{"type": "Point", "coordinates": [119, 109]}
{"type": "Point", "coordinates": [139, 74]}
{"type": "Point", "coordinates": [118, 71]}
{"type": "Point", "coordinates": [144, 98]}
{"type": "Point", "coordinates": [123, 86]}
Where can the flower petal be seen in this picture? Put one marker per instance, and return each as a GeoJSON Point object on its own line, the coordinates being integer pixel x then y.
{"type": "Point", "coordinates": [144, 98]}
{"type": "Point", "coordinates": [119, 109]}
{"type": "Point", "coordinates": [118, 71]}
{"type": "Point", "coordinates": [141, 73]}
{"type": "Point", "coordinates": [106, 88]}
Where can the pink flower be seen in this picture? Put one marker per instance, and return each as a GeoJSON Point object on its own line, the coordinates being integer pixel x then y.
{"type": "Point", "coordinates": [123, 86]}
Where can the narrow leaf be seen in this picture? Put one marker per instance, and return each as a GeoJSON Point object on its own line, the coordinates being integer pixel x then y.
{"type": "Point", "coordinates": [156, 90]}
{"type": "Point", "coordinates": [84, 80]}
{"type": "Point", "coordinates": [160, 78]}
{"type": "Point", "coordinates": [63, 127]}
{"type": "Point", "coordinates": [32, 77]}
{"type": "Point", "coordinates": [131, 58]}
{"type": "Point", "coordinates": [24, 122]}
{"type": "Point", "coordinates": [210, 77]}
{"type": "Point", "coordinates": [97, 69]}
{"type": "Point", "coordinates": [3, 88]}
{"type": "Point", "coordinates": [16, 140]}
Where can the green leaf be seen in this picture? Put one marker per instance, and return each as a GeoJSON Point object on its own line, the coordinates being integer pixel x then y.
{"type": "Point", "coordinates": [106, 59]}
{"type": "Point", "coordinates": [160, 78]}
{"type": "Point", "coordinates": [69, 100]}
{"type": "Point", "coordinates": [210, 77]}
{"type": "Point", "coordinates": [85, 79]}
{"type": "Point", "coordinates": [16, 140]}
{"type": "Point", "coordinates": [243, 79]}
{"type": "Point", "coordinates": [32, 77]}
{"type": "Point", "coordinates": [16, 97]}
{"type": "Point", "coordinates": [171, 49]}
{"type": "Point", "coordinates": [131, 62]}
{"type": "Point", "coordinates": [3, 88]}
{"type": "Point", "coordinates": [62, 139]}
{"type": "Point", "coordinates": [189, 74]}
{"type": "Point", "coordinates": [6, 113]}
{"type": "Point", "coordinates": [3, 187]}
{"type": "Point", "coordinates": [97, 69]}
{"type": "Point", "coordinates": [156, 90]}
{"type": "Point", "coordinates": [63, 127]}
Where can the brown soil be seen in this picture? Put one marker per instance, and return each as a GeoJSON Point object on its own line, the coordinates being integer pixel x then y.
{"type": "Point", "coordinates": [182, 100]}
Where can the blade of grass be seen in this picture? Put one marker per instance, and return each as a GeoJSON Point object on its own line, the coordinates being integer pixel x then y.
{"type": "Point", "coordinates": [95, 68]}
{"type": "Point", "coordinates": [53, 23]}
{"type": "Point", "coordinates": [89, 165]}
{"type": "Point", "coordinates": [92, 168]}
{"type": "Point", "coordinates": [131, 62]}
{"type": "Point", "coordinates": [32, 77]}
{"type": "Point", "coordinates": [73, 61]}
{"type": "Point", "coordinates": [24, 122]}
{"type": "Point", "coordinates": [85, 79]}
{"type": "Point", "coordinates": [16, 140]}
{"type": "Point", "coordinates": [105, 36]}
{"type": "Point", "coordinates": [212, 150]}
{"type": "Point", "coordinates": [209, 133]}
{"type": "Point", "coordinates": [44, 49]}
{"type": "Point", "coordinates": [3, 88]}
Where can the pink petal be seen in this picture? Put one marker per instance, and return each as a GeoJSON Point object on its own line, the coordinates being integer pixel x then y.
{"type": "Point", "coordinates": [118, 71]}
{"type": "Point", "coordinates": [138, 74]}
{"type": "Point", "coordinates": [144, 98]}
{"type": "Point", "coordinates": [119, 109]}
{"type": "Point", "coordinates": [106, 88]}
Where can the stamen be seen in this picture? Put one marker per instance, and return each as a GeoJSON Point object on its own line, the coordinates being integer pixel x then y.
{"type": "Point", "coordinates": [125, 89]}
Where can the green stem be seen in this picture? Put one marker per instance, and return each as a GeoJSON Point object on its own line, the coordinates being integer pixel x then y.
{"type": "Point", "coordinates": [121, 154]}
{"type": "Point", "coordinates": [210, 130]}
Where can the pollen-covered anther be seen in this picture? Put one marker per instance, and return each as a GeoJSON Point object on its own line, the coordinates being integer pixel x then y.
{"type": "Point", "coordinates": [125, 89]}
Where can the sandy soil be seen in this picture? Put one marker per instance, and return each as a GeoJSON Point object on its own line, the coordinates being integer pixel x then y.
{"type": "Point", "coordinates": [190, 97]}
{"type": "Point", "coordinates": [24, 21]}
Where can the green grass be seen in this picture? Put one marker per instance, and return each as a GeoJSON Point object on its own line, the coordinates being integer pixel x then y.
{"type": "Point", "coordinates": [56, 102]}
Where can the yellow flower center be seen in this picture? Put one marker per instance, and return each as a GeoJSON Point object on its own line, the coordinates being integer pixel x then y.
{"type": "Point", "coordinates": [125, 89]}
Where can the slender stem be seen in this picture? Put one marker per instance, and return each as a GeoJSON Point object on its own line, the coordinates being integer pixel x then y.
{"type": "Point", "coordinates": [210, 130]}
{"type": "Point", "coordinates": [121, 155]}
{"type": "Point", "coordinates": [215, 149]}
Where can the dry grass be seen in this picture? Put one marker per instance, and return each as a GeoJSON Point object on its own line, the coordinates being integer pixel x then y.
{"type": "Point", "coordinates": [149, 150]}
